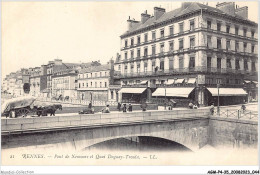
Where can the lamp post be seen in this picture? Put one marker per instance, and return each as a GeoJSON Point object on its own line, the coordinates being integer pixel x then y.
{"type": "Point", "coordinates": [164, 96]}
{"type": "Point", "coordinates": [218, 99]}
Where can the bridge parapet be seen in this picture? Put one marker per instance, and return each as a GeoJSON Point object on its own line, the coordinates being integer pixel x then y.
{"type": "Point", "coordinates": [11, 125]}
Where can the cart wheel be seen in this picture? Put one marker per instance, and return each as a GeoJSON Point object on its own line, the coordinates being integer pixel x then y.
{"type": "Point", "coordinates": [22, 112]}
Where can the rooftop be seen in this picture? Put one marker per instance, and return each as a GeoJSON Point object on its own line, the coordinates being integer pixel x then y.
{"type": "Point", "coordinates": [191, 7]}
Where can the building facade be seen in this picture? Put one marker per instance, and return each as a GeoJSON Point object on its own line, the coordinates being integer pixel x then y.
{"type": "Point", "coordinates": [96, 83]}
{"type": "Point", "coordinates": [190, 49]}
{"type": "Point", "coordinates": [38, 81]}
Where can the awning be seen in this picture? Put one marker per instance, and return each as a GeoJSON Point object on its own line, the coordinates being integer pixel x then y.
{"type": "Point", "coordinates": [191, 81]}
{"type": "Point", "coordinates": [247, 81]}
{"type": "Point", "coordinates": [255, 82]}
{"type": "Point", "coordinates": [132, 90]}
{"type": "Point", "coordinates": [179, 81]}
{"type": "Point", "coordinates": [227, 91]}
{"type": "Point", "coordinates": [143, 82]}
{"type": "Point", "coordinates": [170, 81]}
{"type": "Point", "coordinates": [173, 92]}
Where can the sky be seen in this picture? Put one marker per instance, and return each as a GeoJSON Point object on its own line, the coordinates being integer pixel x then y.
{"type": "Point", "coordinates": [34, 33]}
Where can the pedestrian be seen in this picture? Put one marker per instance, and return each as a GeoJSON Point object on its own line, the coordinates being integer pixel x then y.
{"type": "Point", "coordinates": [195, 106]}
{"type": "Point", "coordinates": [243, 108]}
{"type": "Point", "coordinates": [119, 106]}
{"type": "Point", "coordinates": [191, 105]}
{"type": "Point", "coordinates": [124, 107]}
{"type": "Point", "coordinates": [90, 105]}
{"type": "Point", "coordinates": [143, 106]}
{"type": "Point", "coordinates": [212, 108]}
{"type": "Point", "coordinates": [130, 107]}
{"type": "Point", "coordinates": [106, 109]}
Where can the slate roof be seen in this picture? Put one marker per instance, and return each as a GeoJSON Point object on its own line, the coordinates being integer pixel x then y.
{"type": "Point", "coordinates": [96, 68]}
{"type": "Point", "coordinates": [194, 6]}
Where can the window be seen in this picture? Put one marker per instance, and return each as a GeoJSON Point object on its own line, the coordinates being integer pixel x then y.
{"type": "Point", "coordinates": [180, 27]}
{"type": "Point", "coordinates": [100, 74]}
{"type": "Point", "coordinates": [105, 73]}
{"type": "Point", "coordinates": [132, 54]}
{"type": "Point", "coordinates": [91, 75]}
{"type": "Point", "coordinates": [82, 84]}
{"type": "Point", "coordinates": [228, 45]}
{"type": "Point", "coordinates": [95, 74]}
{"type": "Point", "coordinates": [237, 64]}
{"type": "Point", "coordinates": [105, 84]}
{"type": "Point", "coordinates": [91, 84]}
{"type": "Point", "coordinates": [192, 63]}
{"type": "Point", "coordinates": [119, 67]}
{"type": "Point", "coordinates": [153, 50]}
{"type": "Point", "coordinates": [145, 37]}
{"type": "Point", "coordinates": [180, 44]}
{"type": "Point", "coordinates": [218, 26]}
{"type": "Point", "coordinates": [79, 85]}
{"type": "Point", "coordinates": [237, 46]}
{"type": "Point", "coordinates": [253, 66]}
{"type": "Point", "coordinates": [153, 66]}
{"type": "Point", "coordinates": [171, 45]}
{"type": "Point", "coordinates": [219, 43]}
{"type": "Point", "coordinates": [171, 30]}
{"type": "Point", "coordinates": [125, 43]}
{"type": "Point", "coordinates": [245, 46]}
{"type": "Point", "coordinates": [209, 24]}
{"type": "Point", "coordinates": [181, 62]}
{"type": "Point", "coordinates": [245, 64]}
{"type": "Point", "coordinates": [192, 42]}
{"type": "Point", "coordinates": [228, 81]}
{"type": "Point", "coordinates": [209, 80]}
{"type": "Point", "coordinates": [95, 84]}
{"type": "Point", "coordinates": [132, 41]}
{"type": "Point", "coordinates": [237, 81]}
{"type": "Point", "coordinates": [112, 94]}
{"type": "Point", "coordinates": [252, 48]}
{"type": "Point", "coordinates": [208, 62]}
{"type": "Point", "coordinates": [145, 67]}
{"type": "Point", "coordinates": [145, 51]}
{"type": "Point", "coordinates": [153, 36]}
{"type": "Point", "coordinates": [171, 63]}
{"type": "Point", "coordinates": [228, 28]}
{"type": "Point", "coordinates": [229, 63]}
{"type": "Point", "coordinates": [100, 84]}
{"type": "Point", "coordinates": [162, 48]}
{"type": "Point", "coordinates": [209, 42]}
{"type": "Point", "coordinates": [252, 33]}
{"type": "Point", "coordinates": [218, 63]}
{"type": "Point", "coordinates": [132, 68]}
{"type": "Point", "coordinates": [245, 31]}
{"type": "Point", "coordinates": [138, 68]}
{"type": "Point", "coordinates": [138, 53]}
{"type": "Point", "coordinates": [192, 25]}
{"type": "Point", "coordinates": [125, 55]}
{"type": "Point", "coordinates": [162, 33]}
{"type": "Point", "coordinates": [219, 80]}
{"type": "Point", "coordinates": [236, 30]}
{"type": "Point", "coordinates": [162, 65]}
{"type": "Point", "coordinates": [138, 40]}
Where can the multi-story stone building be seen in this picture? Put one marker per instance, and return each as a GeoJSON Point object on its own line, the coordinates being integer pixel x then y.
{"type": "Point", "coordinates": [96, 83]}
{"type": "Point", "coordinates": [185, 53]}
{"type": "Point", "coordinates": [38, 81]}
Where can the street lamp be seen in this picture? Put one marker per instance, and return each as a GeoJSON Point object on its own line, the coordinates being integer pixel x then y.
{"type": "Point", "coordinates": [218, 99]}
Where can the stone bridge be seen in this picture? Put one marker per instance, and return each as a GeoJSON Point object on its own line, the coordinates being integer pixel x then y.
{"type": "Point", "coordinates": [192, 128]}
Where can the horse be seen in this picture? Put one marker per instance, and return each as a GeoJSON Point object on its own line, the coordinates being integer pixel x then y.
{"type": "Point", "coordinates": [44, 111]}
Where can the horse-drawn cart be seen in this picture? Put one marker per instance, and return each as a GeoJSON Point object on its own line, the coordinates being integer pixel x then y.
{"type": "Point", "coordinates": [20, 106]}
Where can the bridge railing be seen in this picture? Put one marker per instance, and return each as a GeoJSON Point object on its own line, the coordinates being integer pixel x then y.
{"type": "Point", "coordinates": [10, 125]}
{"type": "Point", "coordinates": [237, 114]}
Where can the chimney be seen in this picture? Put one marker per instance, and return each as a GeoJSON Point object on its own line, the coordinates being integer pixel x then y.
{"type": "Point", "coordinates": [242, 11]}
{"type": "Point", "coordinates": [158, 12]}
{"type": "Point", "coordinates": [227, 7]}
{"type": "Point", "coordinates": [145, 17]}
{"type": "Point", "coordinates": [130, 23]}
{"type": "Point", "coordinates": [58, 62]}
{"type": "Point", "coordinates": [184, 5]}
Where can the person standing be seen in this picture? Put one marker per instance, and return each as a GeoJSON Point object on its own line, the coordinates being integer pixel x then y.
{"type": "Point", "coordinates": [124, 107]}
{"type": "Point", "coordinates": [119, 106]}
{"type": "Point", "coordinates": [191, 105]}
{"type": "Point", "coordinates": [130, 107]}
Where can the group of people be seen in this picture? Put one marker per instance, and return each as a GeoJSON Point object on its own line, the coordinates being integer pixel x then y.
{"type": "Point", "coordinates": [125, 108]}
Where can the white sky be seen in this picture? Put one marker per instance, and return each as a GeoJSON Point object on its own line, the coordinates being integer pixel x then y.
{"type": "Point", "coordinates": [34, 33]}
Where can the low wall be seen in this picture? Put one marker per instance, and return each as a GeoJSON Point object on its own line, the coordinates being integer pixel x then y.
{"type": "Point", "coordinates": [233, 132]}
{"type": "Point", "coordinates": [90, 120]}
